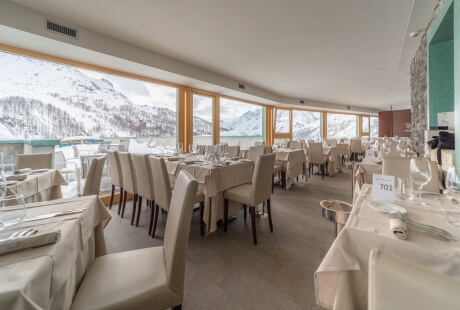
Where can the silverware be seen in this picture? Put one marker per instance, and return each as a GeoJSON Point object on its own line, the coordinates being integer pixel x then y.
{"type": "Point", "coordinates": [7, 240]}
{"type": "Point", "coordinates": [424, 227]}
{"type": "Point", "coordinates": [51, 215]}
{"type": "Point", "coordinates": [14, 239]}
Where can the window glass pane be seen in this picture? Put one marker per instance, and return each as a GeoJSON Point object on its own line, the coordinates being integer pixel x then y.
{"type": "Point", "coordinates": [282, 121]}
{"type": "Point", "coordinates": [365, 124]}
{"type": "Point", "coordinates": [202, 119]}
{"type": "Point", "coordinates": [240, 123]}
{"type": "Point", "coordinates": [306, 125]}
{"type": "Point", "coordinates": [341, 126]}
{"type": "Point", "coordinates": [374, 127]}
{"type": "Point", "coordinates": [41, 99]}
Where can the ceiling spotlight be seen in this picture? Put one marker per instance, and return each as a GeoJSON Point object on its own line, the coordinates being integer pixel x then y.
{"type": "Point", "coordinates": [414, 34]}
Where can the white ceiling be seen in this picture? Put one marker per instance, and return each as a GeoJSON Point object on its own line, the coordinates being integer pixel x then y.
{"type": "Point", "coordinates": [353, 52]}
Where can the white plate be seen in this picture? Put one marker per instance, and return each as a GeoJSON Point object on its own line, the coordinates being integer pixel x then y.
{"type": "Point", "coordinates": [217, 165]}
{"type": "Point", "coordinates": [385, 206]}
{"type": "Point", "coordinates": [244, 159]}
{"type": "Point", "coordinates": [39, 170]}
{"type": "Point", "coordinates": [11, 182]}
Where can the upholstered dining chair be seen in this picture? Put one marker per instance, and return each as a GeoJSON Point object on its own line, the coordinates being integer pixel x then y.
{"type": "Point", "coordinates": [255, 193]}
{"type": "Point", "coordinates": [93, 179]}
{"type": "Point", "coordinates": [116, 177]}
{"type": "Point", "coordinates": [35, 161]}
{"type": "Point", "coordinates": [398, 284]}
{"type": "Point", "coordinates": [233, 151]}
{"type": "Point", "coordinates": [103, 146]}
{"type": "Point", "coordinates": [129, 181]}
{"type": "Point", "coordinates": [333, 142]}
{"type": "Point", "coordinates": [150, 278]}
{"type": "Point", "coordinates": [355, 148]}
{"type": "Point", "coordinates": [163, 191]}
{"type": "Point", "coordinates": [399, 167]}
{"type": "Point", "coordinates": [317, 157]}
{"type": "Point", "coordinates": [297, 145]}
{"type": "Point", "coordinates": [259, 143]}
{"type": "Point", "coordinates": [255, 151]}
{"type": "Point", "coordinates": [145, 184]}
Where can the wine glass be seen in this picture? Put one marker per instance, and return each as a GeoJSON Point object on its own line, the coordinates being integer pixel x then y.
{"type": "Point", "coordinates": [386, 147]}
{"type": "Point", "coordinates": [420, 173]}
{"type": "Point", "coordinates": [12, 210]}
{"type": "Point", "coordinates": [402, 148]}
{"type": "Point", "coordinates": [1, 158]}
{"type": "Point", "coordinates": [180, 147]}
{"type": "Point", "coordinates": [453, 188]}
{"type": "Point", "coordinates": [2, 184]}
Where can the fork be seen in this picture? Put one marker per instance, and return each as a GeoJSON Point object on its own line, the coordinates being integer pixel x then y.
{"type": "Point", "coordinates": [13, 237]}
{"type": "Point", "coordinates": [16, 240]}
{"type": "Point", "coordinates": [423, 227]}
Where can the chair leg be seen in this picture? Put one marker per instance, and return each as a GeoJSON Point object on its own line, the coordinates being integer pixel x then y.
{"type": "Point", "coordinates": [322, 171]}
{"type": "Point", "coordinates": [151, 204]}
{"type": "Point", "coordinates": [225, 214]}
{"type": "Point", "coordinates": [252, 211]}
{"type": "Point", "coordinates": [139, 211]}
{"type": "Point", "coordinates": [120, 202]}
{"type": "Point", "coordinates": [155, 220]}
{"type": "Point", "coordinates": [179, 307]}
{"type": "Point", "coordinates": [283, 179]}
{"type": "Point", "coordinates": [136, 197]}
{"type": "Point", "coordinates": [111, 196]}
{"type": "Point", "coordinates": [269, 211]}
{"type": "Point", "coordinates": [201, 218]}
{"type": "Point", "coordinates": [124, 203]}
{"type": "Point", "coordinates": [245, 207]}
{"type": "Point", "coordinates": [273, 182]}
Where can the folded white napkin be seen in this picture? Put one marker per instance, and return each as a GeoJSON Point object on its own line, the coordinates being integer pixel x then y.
{"type": "Point", "coordinates": [16, 177]}
{"type": "Point", "coordinates": [22, 171]}
{"type": "Point", "coordinates": [29, 242]}
{"type": "Point", "coordinates": [398, 228]}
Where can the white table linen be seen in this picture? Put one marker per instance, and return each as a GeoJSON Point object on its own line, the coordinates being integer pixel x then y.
{"type": "Point", "coordinates": [341, 279]}
{"type": "Point", "coordinates": [47, 277]}
{"type": "Point", "coordinates": [294, 163]}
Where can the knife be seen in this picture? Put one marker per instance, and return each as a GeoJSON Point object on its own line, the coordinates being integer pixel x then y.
{"type": "Point", "coordinates": [46, 216]}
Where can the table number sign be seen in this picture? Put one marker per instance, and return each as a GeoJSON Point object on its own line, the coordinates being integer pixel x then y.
{"type": "Point", "coordinates": [383, 187]}
{"type": "Point", "coordinates": [370, 154]}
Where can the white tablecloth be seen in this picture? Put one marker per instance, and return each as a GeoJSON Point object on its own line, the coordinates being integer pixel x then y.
{"type": "Point", "coordinates": [47, 277]}
{"type": "Point", "coordinates": [294, 162]}
{"type": "Point", "coordinates": [213, 181]}
{"type": "Point", "coordinates": [341, 279]}
{"type": "Point", "coordinates": [39, 187]}
{"type": "Point", "coordinates": [333, 156]}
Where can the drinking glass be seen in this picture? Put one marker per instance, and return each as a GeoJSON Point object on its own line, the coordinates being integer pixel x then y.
{"type": "Point", "coordinates": [386, 147]}
{"type": "Point", "coordinates": [420, 173]}
{"type": "Point", "coordinates": [402, 148]}
{"type": "Point", "coordinates": [8, 169]}
{"type": "Point", "coordinates": [453, 188]}
{"type": "Point", "coordinates": [190, 149]}
{"type": "Point", "coordinates": [405, 189]}
{"type": "Point", "coordinates": [180, 147]}
{"type": "Point", "coordinates": [12, 210]}
{"type": "Point", "coordinates": [1, 158]}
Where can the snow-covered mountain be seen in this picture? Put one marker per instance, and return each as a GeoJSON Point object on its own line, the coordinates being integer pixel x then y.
{"type": "Point", "coordinates": [248, 124]}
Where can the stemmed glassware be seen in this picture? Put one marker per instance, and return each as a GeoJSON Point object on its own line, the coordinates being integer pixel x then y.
{"type": "Point", "coordinates": [12, 210]}
{"type": "Point", "coordinates": [386, 147]}
{"type": "Point", "coordinates": [402, 148]}
{"type": "Point", "coordinates": [420, 173]}
{"type": "Point", "coordinates": [453, 188]}
{"type": "Point", "coordinates": [180, 147]}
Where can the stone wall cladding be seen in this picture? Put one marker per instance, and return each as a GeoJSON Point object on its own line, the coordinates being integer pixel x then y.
{"type": "Point", "coordinates": [418, 85]}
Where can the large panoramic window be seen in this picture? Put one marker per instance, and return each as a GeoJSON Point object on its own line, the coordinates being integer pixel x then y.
{"type": "Point", "coordinates": [374, 121]}
{"type": "Point", "coordinates": [306, 125]}
{"type": "Point", "coordinates": [341, 126]}
{"type": "Point", "coordinates": [202, 119]}
{"type": "Point", "coordinates": [41, 99]}
{"type": "Point", "coordinates": [240, 123]}
{"type": "Point", "coordinates": [282, 121]}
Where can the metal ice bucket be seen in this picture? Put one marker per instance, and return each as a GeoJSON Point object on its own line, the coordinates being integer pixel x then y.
{"type": "Point", "coordinates": [336, 211]}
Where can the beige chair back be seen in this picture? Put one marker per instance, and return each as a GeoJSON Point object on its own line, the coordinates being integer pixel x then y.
{"type": "Point", "coordinates": [223, 143]}
{"type": "Point", "coordinates": [35, 161]}
{"type": "Point", "coordinates": [316, 155]}
{"type": "Point", "coordinates": [310, 141]}
{"type": "Point", "coordinates": [145, 185]}
{"type": "Point", "coordinates": [288, 144]}
{"type": "Point", "coordinates": [255, 151]}
{"type": "Point", "coordinates": [162, 188]}
{"type": "Point", "coordinates": [333, 142]}
{"type": "Point", "coordinates": [399, 167]}
{"type": "Point", "coordinates": [259, 143]}
{"type": "Point", "coordinates": [103, 146]}
{"type": "Point", "coordinates": [201, 149]}
{"type": "Point", "coordinates": [93, 180]}
{"type": "Point", "coordinates": [261, 189]}
{"type": "Point", "coordinates": [297, 145]}
{"type": "Point", "coordinates": [398, 284]}
{"type": "Point", "coordinates": [113, 161]}
{"type": "Point", "coordinates": [347, 141]}
{"type": "Point", "coordinates": [59, 160]}
{"type": "Point", "coordinates": [124, 145]}
{"type": "Point", "coordinates": [233, 151]}
{"type": "Point", "coordinates": [355, 146]}
{"type": "Point", "coordinates": [128, 173]}
{"type": "Point", "coordinates": [177, 233]}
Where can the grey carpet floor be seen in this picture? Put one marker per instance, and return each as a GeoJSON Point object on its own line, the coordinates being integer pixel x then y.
{"type": "Point", "coordinates": [226, 271]}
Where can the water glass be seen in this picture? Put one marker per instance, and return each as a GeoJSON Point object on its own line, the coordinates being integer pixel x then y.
{"type": "Point", "coordinates": [402, 149]}
{"type": "Point", "coordinates": [180, 147]}
{"type": "Point", "coordinates": [420, 173]}
{"type": "Point", "coordinates": [12, 210]}
{"type": "Point", "coordinates": [405, 189]}
{"type": "Point", "coordinates": [2, 184]}
{"type": "Point", "coordinates": [8, 169]}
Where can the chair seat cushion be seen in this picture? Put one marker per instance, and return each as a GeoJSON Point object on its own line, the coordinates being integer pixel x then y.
{"type": "Point", "coordinates": [241, 194]}
{"type": "Point", "coordinates": [278, 168]}
{"type": "Point", "coordinates": [127, 280]}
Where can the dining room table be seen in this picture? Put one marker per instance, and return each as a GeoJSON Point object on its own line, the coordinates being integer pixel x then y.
{"type": "Point", "coordinates": [334, 159]}
{"type": "Point", "coordinates": [294, 164]}
{"type": "Point", "coordinates": [341, 280]}
{"type": "Point", "coordinates": [37, 185]}
{"type": "Point", "coordinates": [44, 270]}
{"type": "Point", "coordinates": [213, 180]}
